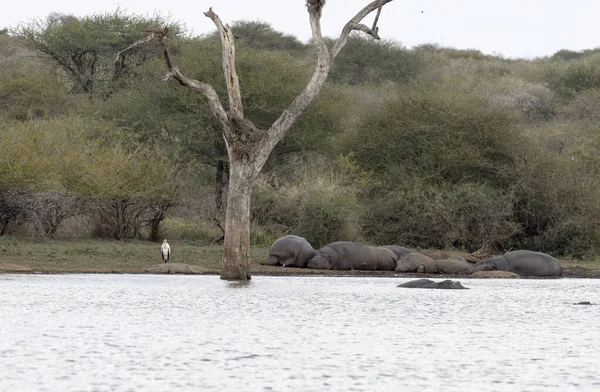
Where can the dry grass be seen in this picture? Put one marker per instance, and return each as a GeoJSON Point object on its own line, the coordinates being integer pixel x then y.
{"type": "Point", "coordinates": [105, 255]}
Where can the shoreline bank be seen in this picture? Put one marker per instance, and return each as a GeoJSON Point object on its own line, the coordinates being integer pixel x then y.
{"type": "Point", "coordinates": [134, 257]}
{"type": "Point", "coordinates": [12, 269]}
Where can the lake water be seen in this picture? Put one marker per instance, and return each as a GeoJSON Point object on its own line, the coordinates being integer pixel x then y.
{"type": "Point", "coordinates": [190, 333]}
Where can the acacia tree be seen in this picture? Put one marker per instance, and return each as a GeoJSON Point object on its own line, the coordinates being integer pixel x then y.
{"type": "Point", "coordinates": [248, 147]}
{"type": "Point", "coordinates": [82, 48]}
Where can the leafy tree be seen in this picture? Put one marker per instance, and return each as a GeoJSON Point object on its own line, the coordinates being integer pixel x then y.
{"type": "Point", "coordinates": [85, 48]}
{"type": "Point", "coordinates": [260, 35]}
{"type": "Point", "coordinates": [52, 161]}
{"type": "Point", "coordinates": [28, 92]}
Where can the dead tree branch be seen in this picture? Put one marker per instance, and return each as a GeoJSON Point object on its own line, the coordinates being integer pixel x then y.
{"type": "Point", "coordinates": [173, 72]}
{"type": "Point", "coordinates": [236, 109]}
{"type": "Point", "coordinates": [120, 60]}
{"type": "Point", "coordinates": [354, 24]}
{"type": "Point", "coordinates": [325, 59]}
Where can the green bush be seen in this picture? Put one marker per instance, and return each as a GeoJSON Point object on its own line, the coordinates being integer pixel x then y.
{"type": "Point", "coordinates": [567, 79]}
{"type": "Point", "coordinates": [555, 205]}
{"type": "Point", "coordinates": [127, 189]}
{"type": "Point", "coordinates": [585, 106]}
{"type": "Point", "coordinates": [423, 215]}
{"type": "Point", "coordinates": [328, 214]}
{"type": "Point", "coordinates": [364, 60]}
{"type": "Point", "coordinates": [27, 93]}
{"type": "Point", "coordinates": [443, 135]}
{"type": "Point", "coordinates": [565, 54]}
{"type": "Point", "coordinates": [322, 209]}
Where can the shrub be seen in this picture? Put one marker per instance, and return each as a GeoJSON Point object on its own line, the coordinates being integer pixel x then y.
{"type": "Point", "coordinates": [585, 106]}
{"type": "Point", "coordinates": [533, 101]}
{"type": "Point", "coordinates": [322, 209]}
{"type": "Point", "coordinates": [555, 205]}
{"type": "Point", "coordinates": [437, 134]}
{"type": "Point", "coordinates": [425, 215]}
{"type": "Point", "coordinates": [47, 158]}
{"type": "Point", "coordinates": [569, 79]}
{"type": "Point", "coordinates": [565, 54]}
{"type": "Point", "coordinates": [329, 213]}
{"type": "Point", "coordinates": [355, 65]}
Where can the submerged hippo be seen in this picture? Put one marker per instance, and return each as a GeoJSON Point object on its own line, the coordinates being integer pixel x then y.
{"type": "Point", "coordinates": [343, 255]}
{"type": "Point", "coordinates": [522, 262]}
{"type": "Point", "coordinates": [430, 284]}
{"type": "Point", "coordinates": [290, 251]}
{"type": "Point", "coordinates": [386, 259]}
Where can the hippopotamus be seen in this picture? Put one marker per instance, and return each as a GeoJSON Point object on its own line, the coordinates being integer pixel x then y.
{"type": "Point", "coordinates": [290, 251]}
{"type": "Point", "coordinates": [398, 250]}
{"type": "Point", "coordinates": [454, 265]}
{"type": "Point", "coordinates": [522, 262]}
{"type": "Point", "coordinates": [430, 284]}
{"type": "Point", "coordinates": [344, 255]}
{"type": "Point", "coordinates": [416, 262]}
{"type": "Point", "coordinates": [386, 259]}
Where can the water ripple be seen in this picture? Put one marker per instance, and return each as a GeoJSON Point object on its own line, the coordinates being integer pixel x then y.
{"type": "Point", "coordinates": [188, 333]}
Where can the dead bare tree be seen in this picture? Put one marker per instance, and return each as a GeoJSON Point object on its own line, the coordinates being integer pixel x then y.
{"type": "Point", "coordinates": [247, 146]}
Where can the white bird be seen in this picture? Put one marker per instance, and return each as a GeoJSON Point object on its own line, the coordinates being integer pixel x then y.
{"type": "Point", "coordinates": [165, 251]}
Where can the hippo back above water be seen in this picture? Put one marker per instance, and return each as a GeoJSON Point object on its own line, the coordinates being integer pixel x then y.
{"type": "Point", "coordinates": [522, 262]}
{"type": "Point", "coordinates": [386, 259]}
{"type": "Point", "coordinates": [344, 255]}
{"type": "Point", "coordinates": [290, 251]}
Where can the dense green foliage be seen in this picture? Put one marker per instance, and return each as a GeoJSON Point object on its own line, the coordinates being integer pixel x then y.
{"type": "Point", "coordinates": [422, 147]}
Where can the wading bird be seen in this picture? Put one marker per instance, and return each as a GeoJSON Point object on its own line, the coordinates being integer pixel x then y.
{"type": "Point", "coordinates": [165, 251]}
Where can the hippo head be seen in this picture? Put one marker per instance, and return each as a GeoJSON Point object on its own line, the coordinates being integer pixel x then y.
{"type": "Point", "coordinates": [321, 260]}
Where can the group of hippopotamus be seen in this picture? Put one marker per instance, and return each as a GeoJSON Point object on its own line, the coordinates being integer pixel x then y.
{"type": "Point", "coordinates": [294, 251]}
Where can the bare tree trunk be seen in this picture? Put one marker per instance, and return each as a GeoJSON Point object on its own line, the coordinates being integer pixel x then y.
{"type": "Point", "coordinates": [236, 257]}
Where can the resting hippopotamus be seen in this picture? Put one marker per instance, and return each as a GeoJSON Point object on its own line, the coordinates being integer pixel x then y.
{"type": "Point", "coordinates": [430, 284]}
{"type": "Point", "coordinates": [290, 251]}
{"type": "Point", "coordinates": [343, 255]}
{"type": "Point", "coordinates": [399, 251]}
{"type": "Point", "coordinates": [386, 259]}
{"type": "Point", "coordinates": [454, 265]}
{"type": "Point", "coordinates": [416, 262]}
{"type": "Point", "coordinates": [522, 262]}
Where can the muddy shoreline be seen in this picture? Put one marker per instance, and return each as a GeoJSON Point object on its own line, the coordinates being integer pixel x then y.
{"type": "Point", "coordinates": [571, 272]}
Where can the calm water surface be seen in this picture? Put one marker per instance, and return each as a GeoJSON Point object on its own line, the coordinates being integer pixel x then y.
{"type": "Point", "coordinates": [164, 333]}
